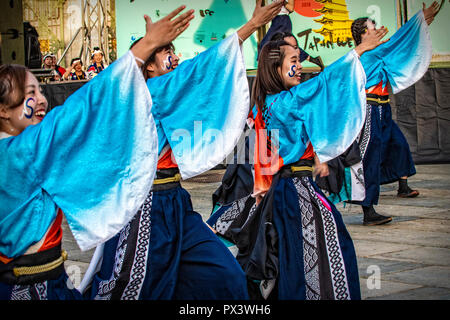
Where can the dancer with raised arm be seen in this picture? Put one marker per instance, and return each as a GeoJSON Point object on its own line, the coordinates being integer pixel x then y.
{"type": "Point", "coordinates": [200, 107]}
{"type": "Point", "coordinates": [93, 160]}
{"type": "Point", "coordinates": [294, 244]}
{"type": "Point", "coordinates": [384, 151]}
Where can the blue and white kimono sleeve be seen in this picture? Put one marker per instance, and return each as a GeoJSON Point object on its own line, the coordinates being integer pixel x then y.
{"type": "Point", "coordinates": [94, 157]}
{"type": "Point", "coordinates": [404, 59]}
{"type": "Point", "coordinates": [203, 105]}
{"type": "Point", "coordinates": [401, 61]}
{"type": "Point", "coordinates": [328, 111]}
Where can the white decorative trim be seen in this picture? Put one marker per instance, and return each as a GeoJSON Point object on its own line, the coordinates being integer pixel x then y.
{"type": "Point", "coordinates": [139, 268]}
{"type": "Point", "coordinates": [334, 251]}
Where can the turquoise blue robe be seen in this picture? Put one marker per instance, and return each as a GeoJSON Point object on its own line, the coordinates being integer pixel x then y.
{"type": "Point", "coordinates": [94, 157]}
{"type": "Point", "coordinates": [400, 62]}
{"type": "Point", "coordinates": [201, 107]}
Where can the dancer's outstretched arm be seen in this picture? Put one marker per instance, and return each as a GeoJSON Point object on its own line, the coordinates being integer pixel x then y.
{"type": "Point", "coordinates": [106, 191]}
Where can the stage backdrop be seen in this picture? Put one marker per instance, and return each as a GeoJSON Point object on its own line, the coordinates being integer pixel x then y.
{"type": "Point", "coordinates": [214, 20]}
{"type": "Point", "coordinates": [322, 26]}
{"type": "Point", "coordinates": [439, 30]}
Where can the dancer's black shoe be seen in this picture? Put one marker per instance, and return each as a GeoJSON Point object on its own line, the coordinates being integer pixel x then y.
{"type": "Point", "coordinates": [372, 218]}
{"type": "Point", "coordinates": [404, 191]}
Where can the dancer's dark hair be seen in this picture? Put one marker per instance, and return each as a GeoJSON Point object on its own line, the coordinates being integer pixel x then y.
{"type": "Point", "coordinates": [281, 35]}
{"type": "Point", "coordinates": [358, 28]}
{"type": "Point", "coordinates": [12, 85]}
{"type": "Point", "coordinates": [152, 57]}
{"type": "Point", "coordinates": [268, 80]}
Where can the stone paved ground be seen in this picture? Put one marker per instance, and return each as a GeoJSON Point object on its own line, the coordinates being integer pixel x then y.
{"type": "Point", "coordinates": [411, 255]}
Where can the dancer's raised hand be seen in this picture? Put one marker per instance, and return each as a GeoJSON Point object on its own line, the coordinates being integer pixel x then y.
{"type": "Point", "coordinates": [265, 14]}
{"type": "Point", "coordinates": [430, 12]}
{"type": "Point", "coordinates": [162, 32]}
{"type": "Point", "coordinates": [372, 39]}
{"type": "Point", "coordinates": [261, 16]}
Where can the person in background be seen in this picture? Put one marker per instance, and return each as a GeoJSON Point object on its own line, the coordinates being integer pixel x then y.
{"type": "Point", "coordinates": [97, 65]}
{"type": "Point", "coordinates": [281, 28]}
{"type": "Point", "coordinates": [60, 70]}
{"type": "Point", "coordinates": [76, 71]}
{"type": "Point", "coordinates": [49, 62]}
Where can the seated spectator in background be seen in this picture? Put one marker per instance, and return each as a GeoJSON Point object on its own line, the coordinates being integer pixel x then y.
{"type": "Point", "coordinates": [75, 72]}
{"type": "Point", "coordinates": [97, 65]}
{"type": "Point", "coordinates": [58, 68]}
{"type": "Point", "coordinates": [49, 62]}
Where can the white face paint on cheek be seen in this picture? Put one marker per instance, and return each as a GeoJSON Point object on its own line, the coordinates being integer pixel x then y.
{"type": "Point", "coordinates": [28, 109]}
{"type": "Point", "coordinates": [167, 63]}
{"type": "Point", "coordinates": [24, 110]}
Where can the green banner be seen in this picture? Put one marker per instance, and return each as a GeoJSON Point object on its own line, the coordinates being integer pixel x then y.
{"type": "Point", "coordinates": [214, 20]}
{"type": "Point", "coordinates": [322, 27]}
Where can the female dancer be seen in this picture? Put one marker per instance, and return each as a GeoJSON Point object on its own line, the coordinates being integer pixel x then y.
{"type": "Point", "coordinates": [94, 164]}
{"type": "Point", "coordinates": [167, 251]}
{"type": "Point", "coordinates": [234, 194]}
{"type": "Point", "coordinates": [385, 153]}
{"type": "Point", "coordinates": [295, 238]}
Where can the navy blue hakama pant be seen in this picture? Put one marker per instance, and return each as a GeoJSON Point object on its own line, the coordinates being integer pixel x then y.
{"type": "Point", "coordinates": [387, 157]}
{"type": "Point", "coordinates": [167, 252]}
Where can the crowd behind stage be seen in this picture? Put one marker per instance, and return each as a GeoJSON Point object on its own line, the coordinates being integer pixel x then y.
{"type": "Point", "coordinates": [76, 70]}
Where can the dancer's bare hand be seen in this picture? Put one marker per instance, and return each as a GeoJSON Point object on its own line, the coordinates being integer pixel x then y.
{"type": "Point", "coordinates": [321, 169]}
{"type": "Point", "coordinates": [261, 16]}
{"type": "Point", "coordinates": [430, 12]}
{"type": "Point", "coordinates": [162, 32]}
{"type": "Point", "coordinates": [264, 14]}
{"type": "Point", "coordinates": [372, 39]}
{"type": "Point", "coordinates": [166, 30]}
